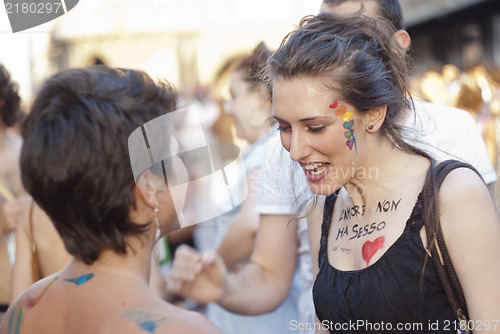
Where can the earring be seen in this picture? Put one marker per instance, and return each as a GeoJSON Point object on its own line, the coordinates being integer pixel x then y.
{"type": "Point", "coordinates": [158, 232]}
{"type": "Point", "coordinates": [371, 127]}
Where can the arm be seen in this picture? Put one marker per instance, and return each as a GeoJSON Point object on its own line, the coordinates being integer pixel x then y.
{"type": "Point", "coordinates": [259, 287]}
{"type": "Point", "coordinates": [471, 228]}
{"type": "Point", "coordinates": [239, 239]}
{"type": "Point", "coordinates": [22, 276]}
{"type": "Point", "coordinates": [264, 283]}
{"type": "Point", "coordinates": [10, 213]}
{"type": "Point", "coordinates": [491, 190]}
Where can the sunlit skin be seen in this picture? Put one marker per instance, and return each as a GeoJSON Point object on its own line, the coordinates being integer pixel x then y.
{"type": "Point", "coordinates": [370, 8]}
{"type": "Point", "coordinates": [248, 107]}
{"type": "Point", "coordinates": [314, 134]}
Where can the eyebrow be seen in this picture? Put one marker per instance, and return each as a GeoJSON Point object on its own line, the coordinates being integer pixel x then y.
{"type": "Point", "coordinates": [301, 120]}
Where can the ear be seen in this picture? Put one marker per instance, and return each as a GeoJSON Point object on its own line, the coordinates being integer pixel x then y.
{"type": "Point", "coordinates": [375, 118]}
{"type": "Point", "coordinates": [403, 39]}
{"type": "Point", "coordinates": [144, 190]}
{"type": "Point", "coordinates": [148, 197]}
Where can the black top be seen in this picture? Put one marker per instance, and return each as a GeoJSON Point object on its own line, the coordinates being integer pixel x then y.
{"type": "Point", "coordinates": [391, 295]}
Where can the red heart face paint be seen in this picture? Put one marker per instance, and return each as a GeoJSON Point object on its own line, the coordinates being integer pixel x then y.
{"type": "Point", "coordinates": [334, 104]}
{"type": "Point", "coordinates": [371, 247]}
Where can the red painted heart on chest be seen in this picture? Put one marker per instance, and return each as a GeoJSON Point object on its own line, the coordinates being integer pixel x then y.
{"type": "Point", "coordinates": [371, 247]}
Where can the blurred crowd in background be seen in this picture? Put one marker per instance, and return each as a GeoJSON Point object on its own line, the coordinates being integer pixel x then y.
{"type": "Point", "coordinates": [476, 90]}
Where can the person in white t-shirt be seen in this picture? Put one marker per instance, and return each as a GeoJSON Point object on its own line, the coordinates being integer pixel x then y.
{"type": "Point", "coordinates": [264, 282]}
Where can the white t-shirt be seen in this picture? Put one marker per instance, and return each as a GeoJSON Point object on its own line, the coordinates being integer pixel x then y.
{"type": "Point", "coordinates": [444, 132]}
{"type": "Point", "coordinates": [277, 321]}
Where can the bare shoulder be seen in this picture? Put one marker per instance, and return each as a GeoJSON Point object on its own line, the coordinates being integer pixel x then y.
{"type": "Point", "coordinates": [464, 199]}
{"type": "Point", "coordinates": [463, 185]}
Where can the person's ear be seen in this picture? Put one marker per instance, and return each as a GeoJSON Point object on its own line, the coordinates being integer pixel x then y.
{"type": "Point", "coordinates": [375, 118]}
{"type": "Point", "coordinates": [403, 39]}
{"type": "Point", "coordinates": [146, 190]}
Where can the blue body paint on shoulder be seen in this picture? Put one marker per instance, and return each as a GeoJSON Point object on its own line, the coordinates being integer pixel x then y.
{"type": "Point", "coordinates": [80, 280]}
{"type": "Point", "coordinates": [145, 320]}
{"type": "Point", "coordinates": [149, 326]}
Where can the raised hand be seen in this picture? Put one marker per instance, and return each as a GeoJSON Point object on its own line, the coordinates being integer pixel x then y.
{"type": "Point", "coordinates": [200, 277]}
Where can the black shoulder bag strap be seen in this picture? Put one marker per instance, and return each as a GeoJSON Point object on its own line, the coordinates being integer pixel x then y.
{"type": "Point", "coordinates": [437, 246]}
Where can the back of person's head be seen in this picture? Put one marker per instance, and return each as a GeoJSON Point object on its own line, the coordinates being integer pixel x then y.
{"type": "Point", "coordinates": [253, 64]}
{"type": "Point", "coordinates": [389, 10]}
{"type": "Point", "coordinates": [75, 159]}
{"type": "Point", "coordinates": [9, 98]}
{"type": "Point", "coordinates": [354, 56]}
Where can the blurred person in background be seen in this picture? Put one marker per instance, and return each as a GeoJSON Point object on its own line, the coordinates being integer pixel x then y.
{"type": "Point", "coordinates": [75, 163]}
{"type": "Point", "coordinates": [13, 199]}
{"type": "Point", "coordinates": [40, 250]}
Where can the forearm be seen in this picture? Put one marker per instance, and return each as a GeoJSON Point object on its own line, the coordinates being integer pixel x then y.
{"type": "Point", "coordinates": [239, 242]}
{"type": "Point", "coordinates": [263, 284]}
{"type": "Point", "coordinates": [252, 291]}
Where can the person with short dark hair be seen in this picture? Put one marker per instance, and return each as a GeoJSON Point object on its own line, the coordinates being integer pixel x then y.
{"type": "Point", "coordinates": [76, 165]}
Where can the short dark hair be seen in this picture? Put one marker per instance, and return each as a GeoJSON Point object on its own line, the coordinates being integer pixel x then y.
{"type": "Point", "coordinates": [389, 10]}
{"type": "Point", "coordinates": [9, 95]}
{"type": "Point", "coordinates": [75, 159]}
{"type": "Point", "coordinates": [357, 57]}
{"type": "Point", "coordinates": [253, 64]}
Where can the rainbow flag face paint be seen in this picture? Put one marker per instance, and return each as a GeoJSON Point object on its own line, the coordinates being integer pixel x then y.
{"type": "Point", "coordinates": [348, 123]}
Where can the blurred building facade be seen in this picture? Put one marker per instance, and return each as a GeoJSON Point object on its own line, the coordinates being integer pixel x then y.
{"type": "Point", "coordinates": [465, 33]}
{"type": "Point", "coordinates": [183, 41]}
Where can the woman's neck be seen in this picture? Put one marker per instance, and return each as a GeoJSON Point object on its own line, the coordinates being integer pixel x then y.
{"type": "Point", "coordinates": [391, 171]}
{"type": "Point", "coordinates": [136, 264]}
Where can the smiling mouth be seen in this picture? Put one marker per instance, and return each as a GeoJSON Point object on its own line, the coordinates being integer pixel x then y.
{"type": "Point", "coordinates": [316, 168]}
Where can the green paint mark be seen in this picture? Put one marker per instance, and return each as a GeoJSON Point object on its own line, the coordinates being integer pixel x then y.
{"type": "Point", "coordinates": [19, 319]}
{"type": "Point", "coordinates": [11, 320]}
{"type": "Point", "coordinates": [80, 280]}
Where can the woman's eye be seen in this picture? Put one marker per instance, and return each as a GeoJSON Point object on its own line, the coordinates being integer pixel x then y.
{"type": "Point", "coordinates": [283, 127]}
{"type": "Point", "coordinates": [316, 129]}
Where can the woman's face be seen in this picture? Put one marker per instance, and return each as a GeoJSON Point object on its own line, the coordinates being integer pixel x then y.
{"type": "Point", "coordinates": [245, 108]}
{"type": "Point", "coordinates": [320, 131]}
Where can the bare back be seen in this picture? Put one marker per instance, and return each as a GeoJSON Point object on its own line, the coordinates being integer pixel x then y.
{"type": "Point", "coordinates": [97, 303]}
